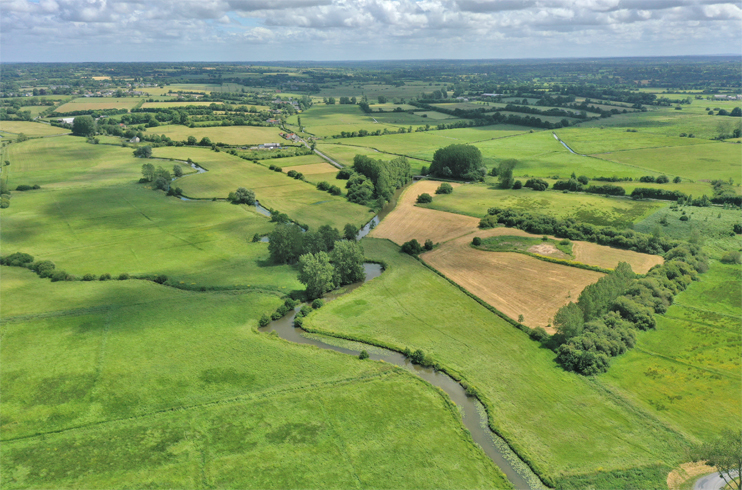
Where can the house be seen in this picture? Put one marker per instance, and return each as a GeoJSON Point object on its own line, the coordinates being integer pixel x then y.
{"type": "Point", "coordinates": [135, 139]}
{"type": "Point", "coordinates": [66, 120]}
{"type": "Point", "coordinates": [269, 146]}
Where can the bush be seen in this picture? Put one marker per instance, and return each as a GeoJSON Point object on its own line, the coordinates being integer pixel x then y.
{"type": "Point", "coordinates": [344, 174]}
{"type": "Point", "coordinates": [737, 228]}
{"type": "Point", "coordinates": [428, 244]}
{"type": "Point", "coordinates": [291, 173]}
{"type": "Point", "coordinates": [517, 184]}
{"type": "Point", "coordinates": [304, 311]}
{"type": "Point", "coordinates": [264, 320]}
{"type": "Point", "coordinates": [256, 238]}
{"type": "Point", "coordinates": [488, 222]}
{"type": "Point", "coordinates": [277, 169]}
{"type": "Point", "coordinates": [662, 179]}
{"type": "Point", "coordinates": [105, 277]}
{"type": "Point", "coordinates": [444, 188]}
{"type": "Point", "coordinates": [160, 279]}
{"type": "Point", "coordinates": [88, 277]}
{"type": "Point", "coordinates": [538, 334]}
{"type": "Point", "coordinates": [732, 257]}
{"type": "Point", "coordinates": [412, 247]}
{"type": "Point", "coordinates": [276, 315]}
{"type": "Point", "coordinates": [298, 322]}
{"type": "Point", "coordinates": [335, 190]}
{"type": "Point", "coordinates": [57, 276]}
{"type": "Point", "coordinates": [476, 241]}
{"type": "Point", "coordinates": [537, 184]}
{"type": "Point", "coordinates": [123, 276]}
{"type": "Point", "coordinates": [424, 198]}
{"type": "Point", "coordinates": [18, 259]}
{"type": "Point", "coordinates": [323, 186]}
{"type": "Point", "coordinates": [363, 355]}
{"type": "Point", "coordinates": [318, 303]}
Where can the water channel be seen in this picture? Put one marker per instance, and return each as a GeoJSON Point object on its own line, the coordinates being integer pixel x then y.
{"type": "Point", "coordinates": [472, 411]}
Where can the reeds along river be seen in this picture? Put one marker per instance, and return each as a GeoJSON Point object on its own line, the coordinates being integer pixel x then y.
{"type": "Point", "coordinates": [474, 417]}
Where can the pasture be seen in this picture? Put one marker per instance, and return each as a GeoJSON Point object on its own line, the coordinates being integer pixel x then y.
{"type": "Point", "coordinates": [300, 200]}
{"type": "Point", "coordinates": [98, 103]}
{"type": "Point", "coordinates": [592, 141]}
{"type": "Point", "coordinates": [408, 221]}
{"type": "Point", "coordinates": [329, 120]}
{"type": "Point", "coordinates": [344, 154]}
{"type": "Point", "coordinates": [31, 129]}
{"type": "Point", "coordinates": [475, 199]}
{"type": "Point", "coordinates": [167, 104]}
{"type": "Point", "coordinates": [573, 426]}
{"type": "Point", "coordinates": [230, 135]}
{"type": "Point", "coordinates": [105, 387]}
{"type": "Point", "coordinates": [515, 284]}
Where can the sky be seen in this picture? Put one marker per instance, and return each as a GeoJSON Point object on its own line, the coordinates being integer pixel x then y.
{"type": "Point", "coordinates": [333, 30]}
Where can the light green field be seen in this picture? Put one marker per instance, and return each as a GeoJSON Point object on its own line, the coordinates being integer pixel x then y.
{"type": "Point", "coordinates": [129, 384]}
{"type": "Point", "coordinates": [136, 230]}
{"type": "Point", "coordinates": [30, 128]}
{"type": "Point", "coordinates": [69, 161]}
{"type": "Point", "coordinates": [705, 161]}
{"type": "Point", "coordinates": [389, 106]}
{"type": "Point", "coordinates": [591, 141]}
{"type": "Point", "coordinates": [475, 199]}
{"type": "Point", "coordinates": [330, 120]}
{"type": "Point", "coordinates": [373, 90]}
{"type": "Point", "coordinates": [300, 200]}
{"type": "Point", "coordinates": [344, 154]}
{"type": "Point", "coordinates": [687, 372]}
{"type": "Point", "coordinates": [98, 103]}
{"type": "Point", "coordinates": [147, 105]}
{"type": "Point", "coordinates": [231, 135]}
{"type": "Point", "coordinates": [34, 109]}
{"type": "Point", "coordinates": [294, 161]}
{"type": "Point", "coordinates": [565, 424]}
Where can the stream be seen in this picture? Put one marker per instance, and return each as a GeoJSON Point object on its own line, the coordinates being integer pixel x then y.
{"type": "Point", "coordinates": [472, 411]}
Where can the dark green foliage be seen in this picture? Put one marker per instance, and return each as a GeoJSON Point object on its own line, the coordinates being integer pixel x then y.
{"type": "Point", "coordinates": [458, 162]}
{"type": "Point", "coordinates": [83, 126]}
{"type": "Point", "coordinates": [424, 198]}
{"type": "Point", "coordinates": [323, 186]}
{"type": "Point", "coordinates": [607, 189]}
{"type": "Point", "coordinates": [123, 276]}
{"type": "Point", "coordinates": [57, 276]}
{"type": "Point", "coordinates": [572, 185]}
{"type": "Point", "coordinates": [582, 179]}
{"type": "Point", "coordinates": [292, 173]}
{"type": "Point", "coordinates": [304, 311]}
{"type": "Point", "coordinates": [89, 277]}
{"type": "Point", "coordinates": [347, 260]}
{"type": "Point", "coordinates": [160, 279]}
{"type": "Point", "coordinates": [645, 478]}
{"type": "Point", "coordinates": [242, 196]}
{"type": "Point", "coordinates": [143, 152]}
{"type": "Point", "coordinates": [177, 170]}
{"type": "Point", "coordinates": [318, 303]}
{"type": "Point", "coordinates": [537, 184]}
{"type": "Point", "coordinates": [385, 177]}
{"type": "Point", "coordinates": [277, 169]}
{"type": "Point", "coordinates": [517, 184]}
{"type": "Point", "coordinates": [732, 257]}
{"type": "Point", "coordinates": [335, 190]}
{"type": "Point", "coordinates": [286, 243]}
{"type": "Point", "coordinates": [737, 228]}
{"type": "Point", "coordinates": [25, 187]}
{"type": "Point", "coordinates": [256, 238]}
{"type": "Point", "coordinates": [344, 174]}
{"type": "Point", "coordinates": [412, 247]}
{"type": "Point", "coordinates": [662, 179]}
{"type": "Point", "coordinates": [264, 320]}
{"type": "Point", "coordinates": [488, 222]}
{"type": "Point", "coordinates": [17, 259]}
{"type": "Point", "coordinates": [105, 277]}
{"type": "Point", "coordinates": [569, 321]}
{"type": "Point", "coordinates": [476, 241]}
{"type": "Point", "coordinates": [596, 299]}
{"type": "Point", "coordinates": [316, 273]}
{"type": "Point", "coordinates": [504, 173]}
{"type": "Point", "coordinates": [647, 179]}
{"type": "Point", "coordinates": [654, 193]}
{"type": "Point", "coordinates": [45, 268]}
{"type": "Point", "coordinates": [350, 231]}
{"type": "Point", "coordinates": [444, 188]}
{"type": "Point", "coordinates": [539, 334]}
{"type": "Point", "coordinates": [360, 189]}
{"type": "Point", "coordinates": [363, 355]}
{"type": "Point", "coordinates": [428, 244]}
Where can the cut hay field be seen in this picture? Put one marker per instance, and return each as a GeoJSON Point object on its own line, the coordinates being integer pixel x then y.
{"type": "Point", "coordinates": [98, 103]}
{"type": "Point", "coordinates": [687, 372]}
{"type": "Point", "coordinates": [105, 387]}
{"type": "Point", "coordinates": [316, 172]}
{"type": "Point", "coordinates": [408, 221]}
{"type": "Point", "coordinates": [231, 135]}
{"type": "Point", "coordinates": [31, 129]}
{"type": "Point", "coordinates": [300, 200]}
{"type": "Point", "coordinates": [69, 161]}
{"type": "Point", "coordinates": [563, 423]}
{"type": "Point", "coordinates": [475, 199]}
{"type": "Point", "coordinates": [136, 230]}
{"type": "Point", "coordinates": [514, 283]}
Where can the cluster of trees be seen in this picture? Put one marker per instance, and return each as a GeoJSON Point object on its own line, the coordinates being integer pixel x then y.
{"type": "Point", "coordinates": [579, 185]}
{"type": "Point", "coordinates": [332, 189]}
{"type": "Point", "coordinates": [321, 272]}
{"type": "Point", "coordinates": [537, 184]}
{"type": "Point", "coordinates": [572, 229]}
{"type": "Point", "coordinates": [288, 241]}
{"type": "Point", "coordinates": [413, 247]}
{"type": "Point", "coordinates": [242, 196]}
{"type": "Point", "coordinates": [458, 162]}
{"type": "Point", "coordinates": [372, 179]}
{"type": "Point", "coordinates": [603, 322]}
{"type": "Point", "coordinates": [159, 176]}
{"type": "Point", "coordinates": [504, 173]}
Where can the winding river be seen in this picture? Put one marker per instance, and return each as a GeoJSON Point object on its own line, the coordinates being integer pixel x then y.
{"type": "Point", "coordinates": [472, 411]}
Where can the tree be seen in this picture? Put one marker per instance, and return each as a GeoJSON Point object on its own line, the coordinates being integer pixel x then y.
{"type": "Point", "coordinates": [347, 258]}
{"type": "Point", "coordinates": [242, 196]}
{"type": "Point", "coordinates": [177, 170]}
{"type": "Point", "coordinates": [569, 321]}
{"type": "Point", "coordinates": [412, 247]}
{"type": "Point", "coordinates": [285, 243]}
{"type": "Point", "coordinates": [21, 138]}
{"type": "Point", "coordinates": [316, 273]}
{"type": "Point", "coordinates": [205, 141]}
{"type": "Point", "coordinates": [736, 112]}
{"type": "Point", "coordinates": [424, 198]}
{"type": "Point", "coordinates": [458, 161]}
{"type": "Point", "coordinates": [350, 232]}
{"type": "Point", "coordinates": [143, 152]}
{"type": "Point", "coordinates": [382, 99]}
{"type": "Point", "coordinates": [444, 188]}
{"type": "Point", "coordinates": [191, 140]}
{"type": "Point", "coordinates": [724, 452]}
{"type": "Point", "coordinates": [148, 172]}
{"type": "Point", "coordinates": [505, 173]}
{"type": "Point", "coordinates": [83, 126]}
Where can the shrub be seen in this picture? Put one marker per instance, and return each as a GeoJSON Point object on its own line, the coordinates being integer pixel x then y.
{"type": "Point", "coordinates": [323, 186]}
{"type": "Point", "coordinates": [272, 167]}
{"type": "Point", "coordinates": [277, 169]}
{"type": "Point", "coordinates": [105, 277]}
{"type": "Point", "coordinates": [412, 247]}
{"type": "Point", "coordinates": [476, 241]}
{"type": "Point", "coordinates": [264, 320]}
{"type": "Point", "coordinates": [662, 179]}
{"type": "Point", "coordinates": [160, 279]}
{"type": "Point", "coordinates": [276, 315]}
{"type": "Point", "coordinates": [582, 179]}
{"type": "Point", "coordinates": [18, 259]}
{"type": "Point", "coordinates": [256, 238]}
{"type": "Point", "coordinates": [290, 304]}
{"type": "Point", "coordinates": [517, 184]}
{"type": "Point", "coordinates": [298, 322]}
{"type": "Point", "coordinates": [57, 276]}
{"type": "Point", "coordinates": [428, 244]}
{"type": "Point", "coordinates": [363, 355]}
{"type": "Point", "coordinates": [424, 198]}
{"type": "Point", "coordinates": [24, 187]}
{"type": "Point", "coordinates": [335, 190]}
{"type": "Point", "coordinates": [684, 218]}
{"type": "Point", "coordinates": [344, 174]}
{"type": "Point", "coordinates": [304, 311]}
{"type": "Point", "coordinates": [123, 276]}
{"type": "Point", "coordinates": [444, 188]}
{"type": "Point", "coordinates": [539, 334]}
{"type": "Point", "coordinates": [488, 222]}
{"type": "Point", "coordinates": [737, 228]}
{"type": "Point", "coordinates": [732, 257]}
{"type": "Point", "coordinates": [291, 173]}
{"type": "Point", "coordinates": [537, 184]}
{"type": "Point", "coordinates": [318, 303]}
{"type": "Point", "coordinates": [88, 277]}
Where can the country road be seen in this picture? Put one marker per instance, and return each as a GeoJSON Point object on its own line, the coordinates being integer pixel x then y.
{"type": "Point", "coordinates": [714, 481]}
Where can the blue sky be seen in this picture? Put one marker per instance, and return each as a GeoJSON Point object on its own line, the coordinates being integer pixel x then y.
{"type": "Point", "coordinates": [264, 30]}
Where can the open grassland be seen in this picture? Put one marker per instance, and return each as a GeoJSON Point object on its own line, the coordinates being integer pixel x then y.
{"type": "Point", "coordinates": [302, 160]}
{"type": "Point", "coordinates": [103, 387]}
{"type": "Point", "coordinates": [713, 226]}
{"type": "Point", "coordinates": [300, 200]}
{"type": "Point", "coordinates": [68, 161]}
{"type": "Point", "coordinates": [687, 372]}
{"type": "Point", "coordinates": [330, 120]}
{"type": "Point", "coordinates": [230, 135]}
{"type": "Point", "coordinates": [34, 110]}
{"type": "Point", "coordinates": [705, 161]}
{"type": "Point", "coordinates": [158, 105]}
{"type": "Point", "coordinates": [564, 424]}
{"type": "Point", "coordinates": [136, 230]}
{"type": "Point", "coordinates": [514, 283]}
{"type": "Point", "coordinates": [584, 252]}
{"type": "Point", "coordinates": [475, 199]}
{"type": "Point", "coordinates": [316, 172]}
{"type": "Point", "coordinates": [98, 103]}
{"type": "Point", "coordinates": [588, 141]}
{"type": "Point", "coordinates": [344, 154]}
{"type": "Point", "coordinates": [31, 129]}
{"type": "Point", "coordinates": [407, 221]}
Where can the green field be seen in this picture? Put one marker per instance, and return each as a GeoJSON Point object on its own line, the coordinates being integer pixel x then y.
{"type": "Point", "coordinates": [590, 141]}
{"type": "Point", "coordinates": [475, 199]}
{"type": "Point", "coordinates": [31, 129]}
{"type": "Point", "coordinates": [98, 103]}
{"type": "Point", "coordinates": [300, 200]}
{"type": "Point", "coordinates": [230, 135]}
{"type": "Point", "coordinates": [329, 120]}
{"type": "Point", "coordinates": [344, 154]}
{"type": "Point", "coordinates": [575, 426]}
{"type": "Point", "coordinates": [687, 372]}
{"type": "Point", "coordinates": [131, 384]}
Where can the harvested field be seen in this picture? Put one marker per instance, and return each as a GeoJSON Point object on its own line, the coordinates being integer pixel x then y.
{"type": "Point", "coordinates": [515, 284]}
{"type": "Point", "coordinates": [408, 221]}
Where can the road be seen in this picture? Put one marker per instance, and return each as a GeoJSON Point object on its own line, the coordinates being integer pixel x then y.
{"type": "Point", "coordinates": [714, 481]}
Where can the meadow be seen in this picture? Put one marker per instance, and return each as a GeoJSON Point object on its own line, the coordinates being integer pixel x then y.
{"type": "Point", "coordinates": [344, 154]}
{"type": "Point", "coordinates": [230, 135]}
{"type": "Point", "coordinates": [208, 401]}
{"type": "Point", "coordinates": [329, 120]}
{"type": "Point", "coordinates": [31, 129]}
{"type": "Point", "coordinates": [97, 103]}
{"type": "Point", "coordinates": [562, 423]}
{"type": "Point", "coordinates": [300, 200]}
{"type": "Point", "coordinates": [590, 141]}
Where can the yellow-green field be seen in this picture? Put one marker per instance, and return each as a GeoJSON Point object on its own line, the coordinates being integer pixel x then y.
{"type": "Point", "coordinates": [31, 129]}
{"type": "Point", "coordinates": [231, 135]}
{"type": "Point", "coordinates": [97, 103]}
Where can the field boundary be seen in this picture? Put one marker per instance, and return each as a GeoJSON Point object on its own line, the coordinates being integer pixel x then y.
{"type": "Point", "coordinates": [565, 262]}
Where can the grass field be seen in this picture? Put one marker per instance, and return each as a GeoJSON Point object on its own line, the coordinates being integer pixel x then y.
{"type": "Point", "coordinates": [408, 221]}
{"type": "Point", "coordinates": [158, 105]}
{"type": "Point", "coordinates": [691, 359]}
{"type": "Point", "coordinates": [231, 135]}
{"type": "Point", "coordinates": [105, 387]}
{"type": "Point", "coordinates": [514, 283]}
{"type": "Point", "coordinates": [344, 155]}
{"type": "Point", "coordinates": [69, 161]}
{"type": "Point", "coordinates": [563, 423]}
{"type": "Point", "coordinates": [31, 129]}
{"type": "Point", "coordinates": [330, 120]}
{"type": "Point", "coordinates": [589, 141]}
{"type": "Point", "coordinates": [300, 200]}
{"type": "Point", "coordinates": [475, 199]}
{"type": "Point", "coordinates": [98, 103]}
